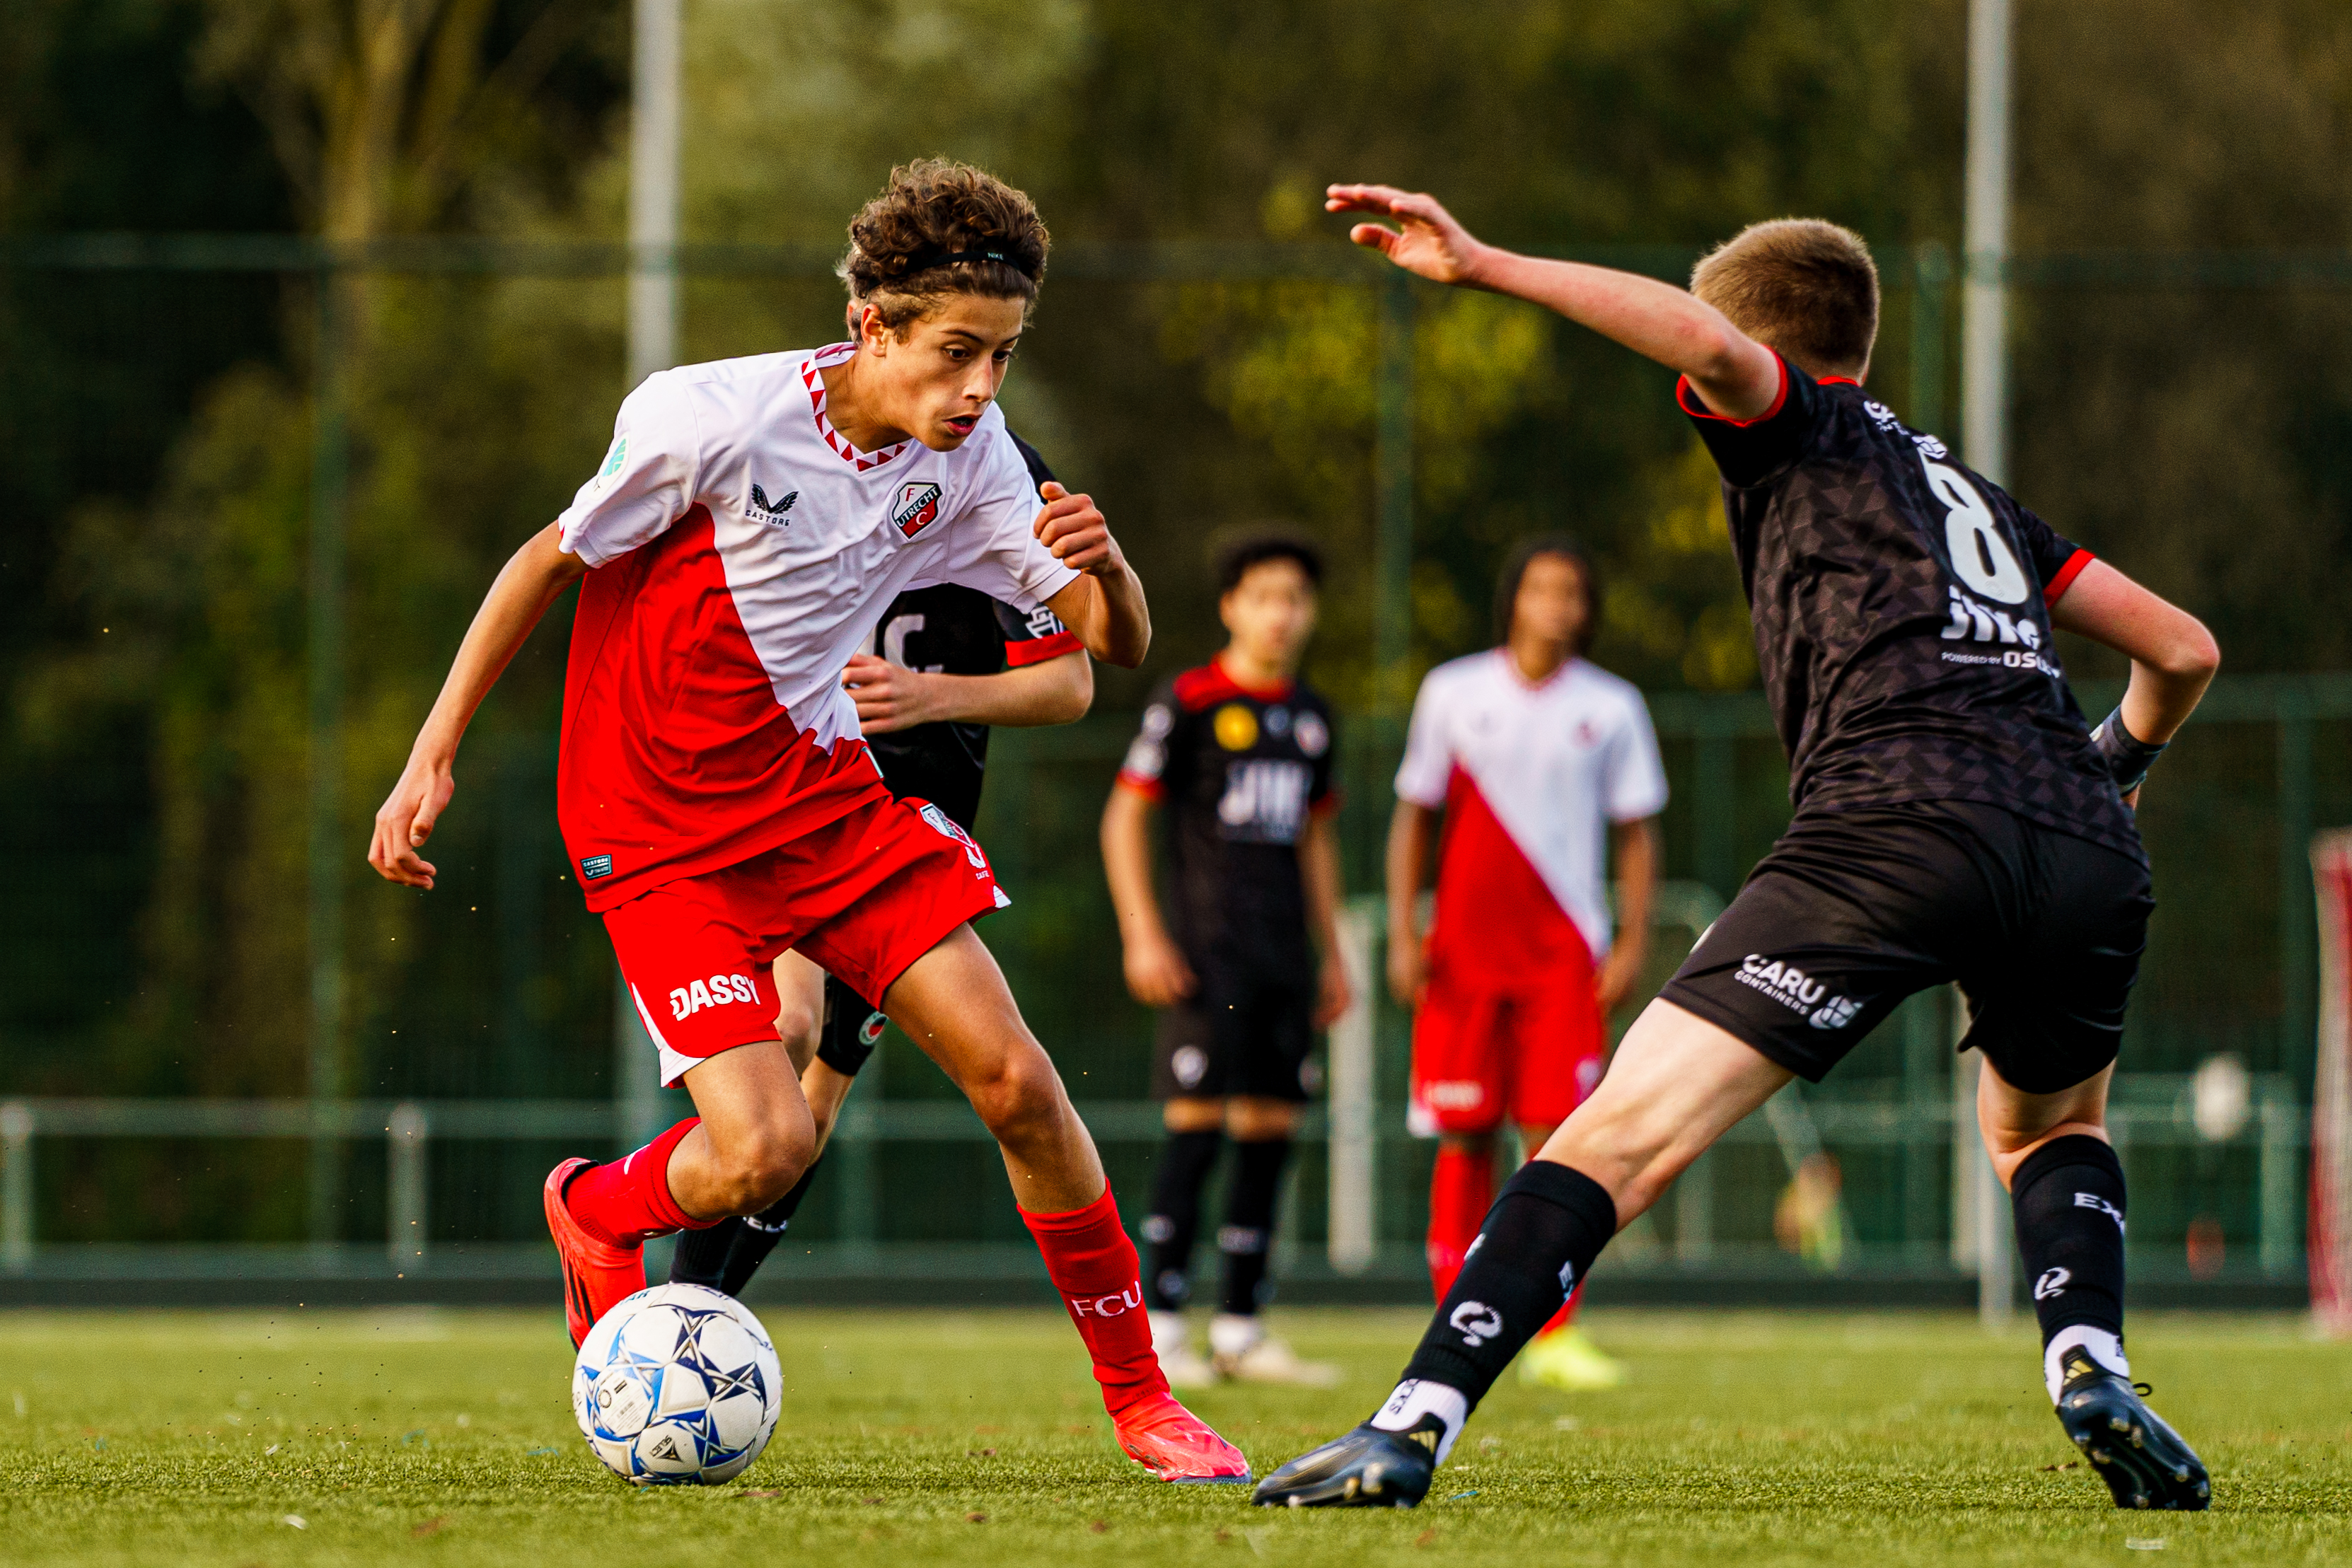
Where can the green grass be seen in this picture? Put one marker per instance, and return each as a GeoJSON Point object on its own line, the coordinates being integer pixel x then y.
{"type": "Point", "coordinates": [445, 1438]}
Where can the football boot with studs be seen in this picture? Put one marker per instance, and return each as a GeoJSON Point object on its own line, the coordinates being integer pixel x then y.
{"type": "Point", "coordinates": [2143, 1461]}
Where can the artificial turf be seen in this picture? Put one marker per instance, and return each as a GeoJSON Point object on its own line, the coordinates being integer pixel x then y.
{"type": "Point", "coordinates": [446, 1438]}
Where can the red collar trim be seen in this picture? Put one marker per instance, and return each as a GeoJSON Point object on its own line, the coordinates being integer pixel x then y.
{"type": "Point", "coordinates": [1274, 694]}
{"type": "Point", "coordinates": [1835, 382]}
{"type": "Point", "coordinates": [815, 383]}
{"type": "Point", "coordinates": [1519, 676]}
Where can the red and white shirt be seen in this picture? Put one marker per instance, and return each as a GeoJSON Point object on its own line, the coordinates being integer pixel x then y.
{"type": "Point", "coordinates": [1529, 777]}
{"type": "Point", "coordinates": [743, 551]}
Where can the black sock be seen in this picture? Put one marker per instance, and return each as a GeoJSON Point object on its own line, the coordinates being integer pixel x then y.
{"type": "Point", "coordinates": [1248, 1229]}
{"type": "Point", "coordinates": [701, 1254]}
{"type": "Point", "coordinates": [1540, 1239]}
{"type": "Point", "coordinates": [2068, 1197]}
{"type": "Point", "coordinates": [757, 1237]}
{"type": "Point", "coordinates": [1175, 1218]}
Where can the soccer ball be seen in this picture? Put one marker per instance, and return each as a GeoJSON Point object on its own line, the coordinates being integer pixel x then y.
{"type": "Point", "coordinates": [677, 1383]}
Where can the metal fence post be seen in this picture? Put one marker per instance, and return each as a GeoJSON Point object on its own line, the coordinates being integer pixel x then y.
{"type": "Point", "coordinates": [330, 497]}
{"type": "Point", "coordinates": [1352, 1215]}
{"type": "Point", "coordinates": [2278, 1242]}
{"type": "Point", "coordinates": [407, 1233]}
{"type": "Point", "coordinates": [16, 1187]}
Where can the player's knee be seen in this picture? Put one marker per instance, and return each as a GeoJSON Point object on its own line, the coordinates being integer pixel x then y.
{"type": "Point", "coordinates": [760, 1165]}
{"type": "Point", "coordinates": [1022, 1093]}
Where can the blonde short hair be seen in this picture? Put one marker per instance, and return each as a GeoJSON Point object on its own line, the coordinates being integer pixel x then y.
{"type": "Point", "coordinates": [1803, 286]}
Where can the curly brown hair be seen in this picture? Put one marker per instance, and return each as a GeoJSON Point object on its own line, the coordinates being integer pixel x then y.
{"type": "Point", "coordinates": [934, 209]}
{"type": "Point", "coordinates": [1804, 287]}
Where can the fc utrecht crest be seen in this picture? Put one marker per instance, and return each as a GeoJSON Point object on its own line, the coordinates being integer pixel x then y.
{"type": "Point", "coordinates": [917, 508]}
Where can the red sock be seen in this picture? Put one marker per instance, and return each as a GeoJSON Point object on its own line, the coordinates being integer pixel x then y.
{"type": "Point", "coordinates": [1094, 1265]}
{"type": "Point", "coordinates": [1461, 1190]}
{"type": "Point", "coordinates": [627, 1201]}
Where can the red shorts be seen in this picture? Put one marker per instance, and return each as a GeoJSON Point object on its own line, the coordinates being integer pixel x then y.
{"type": "Point", "coordinates": [862, 897]}
{"type": "Point", "coordinates": [1483, 1055]}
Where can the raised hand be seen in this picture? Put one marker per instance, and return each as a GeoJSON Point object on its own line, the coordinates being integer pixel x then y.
{"type": "Point", "coordinates": [1428, 241]}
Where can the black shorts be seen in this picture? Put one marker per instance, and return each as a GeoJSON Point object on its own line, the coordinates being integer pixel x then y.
{"type": "Point", "coordinates": [853, 1027]}
{"type": "Point", "coordinates": [1238, 1034]}
{"type": "Point", "coordinates": [1854, 911]}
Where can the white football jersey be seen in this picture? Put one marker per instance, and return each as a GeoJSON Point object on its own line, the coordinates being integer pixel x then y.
{"type": "Point", "coordinates": [744, 550]}
{"type": "Point", "coordinates": [1554, 764]}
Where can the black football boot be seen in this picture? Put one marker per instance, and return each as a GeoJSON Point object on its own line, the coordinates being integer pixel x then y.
{"type": "Point", "coordinates": [1367, 1468]}
{"type": "Point", "coordinates": [2143, 1461]}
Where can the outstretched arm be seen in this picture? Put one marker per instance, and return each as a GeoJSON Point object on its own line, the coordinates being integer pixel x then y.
{"type": "Point", "coordinates": [1105, 606]}
{"type": "Point", "coordinates": [2173, 656]}
{"type": "Point", "coordinates": [1734, 374]}
{"type": "Point", "coordinates": [528, 583]}
{"type": "Point", "coordinates": [892, 697]}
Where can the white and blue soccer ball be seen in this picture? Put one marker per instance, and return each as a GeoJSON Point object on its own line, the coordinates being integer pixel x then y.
{"type": "Point", "coordinates": [678, 1384]}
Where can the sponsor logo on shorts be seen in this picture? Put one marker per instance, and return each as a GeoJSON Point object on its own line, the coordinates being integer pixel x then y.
{"type": "Point", "coordinates": [718, 991]}
{"type": "Point", "coordinates": [596, 866]}
{"type": "Point", "coordinates": [2093, 1200]}
{"type": "Point", "coordinates": [1453, 1095]}
{"type": "Point", "coordinates": [917, 508]}
{"type": "Point", "coordinates": [1476, 1322]}
{"type": "Point", "coordinates": [1190, 1063]}
{"type": "Point", "coordinates": [1798, 991]}
{"type": "Point", "coordinates": [948, 827]}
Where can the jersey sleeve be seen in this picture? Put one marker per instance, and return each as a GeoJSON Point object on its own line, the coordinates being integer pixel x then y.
{"type": "Point", "coordinates": [994, 551]}
{"type": "Point", "coordinates": [2057, 560]}
{"type": "Point", "coordinates": [1145, 770]}
{"type": "Point", "coordinates": [1633, 778]}
{"type": "Point", "coordinates": [1749, 451]}
{"type": "Point", "coordinates": [1428, 764]}
{"type": "Point", "coordinates": [1034, 636]}
{"type": "Point", "coordinates": [646, 481]}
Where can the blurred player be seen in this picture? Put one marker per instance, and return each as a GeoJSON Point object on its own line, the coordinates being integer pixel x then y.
{"type": "Point", "coordinates": [944, 664]}
{"type": "Point", "coordinates": [1956, 820]}
{"type": "Point", "coordinates": [751, 522]}
{"type": "Point", "coordinates": [1531, 754]}
{"type": "Point", "coordinates": [1246, 970]}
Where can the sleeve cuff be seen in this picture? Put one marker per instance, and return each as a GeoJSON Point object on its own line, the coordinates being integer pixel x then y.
{"type": "Point", "coordinates": [1686, 398]}
{"type": "Point", "coordinates": [1150, 790]}
{"type": "Point", "coordinates": [2066, 576]}
{"type": "Point", "coordinates": [1037, 650]}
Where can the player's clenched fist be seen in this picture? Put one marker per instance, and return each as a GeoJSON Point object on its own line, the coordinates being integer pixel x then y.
{"type": "Point", "coordinates": [1074, 529]}
{"type": "Point", "coordinates": [405, 821]}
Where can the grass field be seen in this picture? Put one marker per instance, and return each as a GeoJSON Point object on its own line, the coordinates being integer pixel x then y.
{"type": "Point", "coordinates": [445, 1437]}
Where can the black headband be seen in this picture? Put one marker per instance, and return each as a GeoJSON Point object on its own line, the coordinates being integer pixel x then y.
{"type": "Point", "coordinates": [938, 255]}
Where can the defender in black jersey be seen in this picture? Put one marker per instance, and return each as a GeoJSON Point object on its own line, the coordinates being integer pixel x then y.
{"type": "Point", "coordinates": [1956, 820]}
{"type": "Point", "coordinates": [930, 686]}
{"type": "Point", "coordinates": [1237, 755]}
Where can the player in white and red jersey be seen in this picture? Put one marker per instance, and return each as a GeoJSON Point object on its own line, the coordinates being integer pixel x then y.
{"type": "Point", "coordinates": [1531, 755]}
{"type": "Point", "coordinates": [750, 524]}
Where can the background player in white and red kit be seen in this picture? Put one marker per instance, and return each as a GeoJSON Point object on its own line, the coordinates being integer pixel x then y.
{"type": "Point", "coordinates": [1531, 755]}
{"type": "Point", "coordinates": [751, 522]}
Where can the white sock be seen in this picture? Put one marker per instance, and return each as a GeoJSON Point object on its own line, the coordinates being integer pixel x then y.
{"type": "Point", "coordinates": [2103, 1348]}
{"type": "Point", "coordinates": [1231, 1333]}
{"type": "Point", "coordinates": [1167, 1336]}
{"type": "Point", "coordinates": [1416, 1397]}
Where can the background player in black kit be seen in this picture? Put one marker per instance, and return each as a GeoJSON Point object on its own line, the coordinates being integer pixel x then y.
{"type": "Point", "coordinates": [1956, 820]}
{"type": "Point", "coordinates": [1246, 970]}
{"type": "Point", "coordinates": [944, 664]}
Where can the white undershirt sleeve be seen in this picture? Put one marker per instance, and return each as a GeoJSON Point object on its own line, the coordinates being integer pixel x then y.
{"type": "Point", "coordinates": [1428, 765]}
{"type": "Point", "coordinates": [1633, 780]}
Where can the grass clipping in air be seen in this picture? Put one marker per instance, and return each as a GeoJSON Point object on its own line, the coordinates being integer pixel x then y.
{"type": "Point", "coordinates": [340, 1437]}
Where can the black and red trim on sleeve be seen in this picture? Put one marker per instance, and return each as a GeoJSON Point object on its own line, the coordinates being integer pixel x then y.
{"type": "Point", "coordinates": [2066, 576]}
{"type": "Point", "coordinates": [1688, 399]}
{"type": "Point", "coordinates": [1037, 650]}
